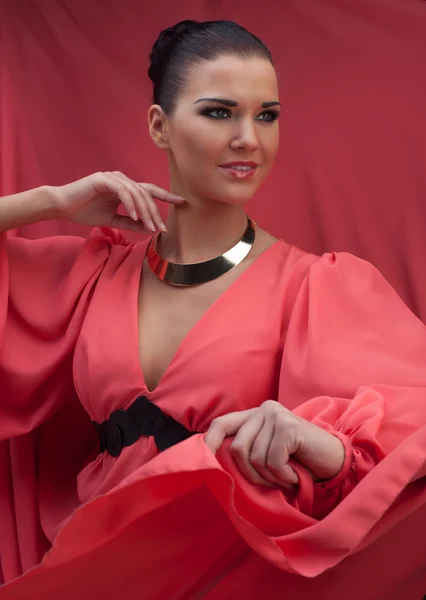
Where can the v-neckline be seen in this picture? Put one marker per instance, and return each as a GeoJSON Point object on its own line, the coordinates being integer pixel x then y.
{"type": "Point", "coordinates": [142, 248]}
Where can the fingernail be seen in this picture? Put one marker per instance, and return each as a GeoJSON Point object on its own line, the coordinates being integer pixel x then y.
{"type": "Point", "coordinates": [163, 227]}
{"type": "Point", "coordinates": [134, 215]}
{"type": "Point", "coordinates": [151, 225]}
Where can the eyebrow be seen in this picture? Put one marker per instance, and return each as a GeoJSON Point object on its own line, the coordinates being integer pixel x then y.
{"type": "Point", "coordinates": [231, 103]}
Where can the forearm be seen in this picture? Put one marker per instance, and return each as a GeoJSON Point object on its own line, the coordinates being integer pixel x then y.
{"type": "Point", "coordinates": [27, 207]}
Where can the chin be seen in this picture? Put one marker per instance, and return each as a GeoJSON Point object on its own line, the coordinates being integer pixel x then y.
{"type": "Point", "coordinates": [230, 195]}
{"type": "Point", "coordinates": [240, 198]}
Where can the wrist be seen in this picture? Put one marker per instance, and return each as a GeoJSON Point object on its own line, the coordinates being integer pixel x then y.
{"type": "Point", "coordinates": [335, 482]}
{"type": "Point", "coordinates": [321, 452]}
{"type": "Point", "coordinates": [333, 459]}
{"type": "Point", "coordinates": [50, 206]}
{"type": "Point", "coordinates": [28, 207]}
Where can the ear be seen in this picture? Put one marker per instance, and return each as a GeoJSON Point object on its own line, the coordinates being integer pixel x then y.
{"type": "Point", "coordinates": [158, 126]}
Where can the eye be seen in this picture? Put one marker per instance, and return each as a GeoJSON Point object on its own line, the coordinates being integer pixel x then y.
{"type": "Point", "coordinates": [216, 113]}
{"type": "Point", "coordinates": [269, 116]}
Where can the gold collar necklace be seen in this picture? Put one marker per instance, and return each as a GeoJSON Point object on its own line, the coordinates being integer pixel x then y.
{"type": "Point", "coordinates": [202, 272]}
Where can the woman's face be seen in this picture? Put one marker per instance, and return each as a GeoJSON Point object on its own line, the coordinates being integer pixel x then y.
{"type": "Point", "coordinates": [222, 136]}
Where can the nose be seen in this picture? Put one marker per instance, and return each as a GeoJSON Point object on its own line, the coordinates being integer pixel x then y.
{"type": "Point", "coordinates": [245, 137]}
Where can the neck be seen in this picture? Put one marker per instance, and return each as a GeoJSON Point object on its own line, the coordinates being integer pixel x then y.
{"type": "Point", "coordinates": [200, 231]}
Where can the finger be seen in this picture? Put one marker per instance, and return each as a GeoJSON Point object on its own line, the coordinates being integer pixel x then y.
{"type": "Point", "coordinates": [259, 452]}
{"type": "Point", "coordinates": [155, 213]}
{"type": "Point", "coordinates": [224, 426]}
{"type": "Point", "coordinates": [144, 203]}
{"type": "Point", "coordinates": [242, 445]}
{"type": "Point", "coordinates": [138, 199]}
{"type": "Point", "coordinates": [122, 222]}
{"type": "Point", "coordinates": [161, 194]}
{"type": "Point", "coordinates": [261, 457]}
{"type": "Point", "coordinates": [277, 459]}
{"type": "Point", "coordinates": [104, 183]}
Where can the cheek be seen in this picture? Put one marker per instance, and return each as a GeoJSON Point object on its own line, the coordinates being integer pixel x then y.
{"type": "Point", "coordinates": [193, 149]}
{"type": "Point", "coordinates": [203, 143]}
{"type": "Point", "coordinates": [270, 143]}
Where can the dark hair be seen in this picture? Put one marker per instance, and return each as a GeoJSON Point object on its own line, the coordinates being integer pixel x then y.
{"type": "Point", "coordinates": [179, 47]}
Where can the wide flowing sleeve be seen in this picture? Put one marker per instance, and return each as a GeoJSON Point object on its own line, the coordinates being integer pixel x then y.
{"type": "Point", "coordinates": [45, 288]}
{"type": "Point", "coordinates": [354, 363]}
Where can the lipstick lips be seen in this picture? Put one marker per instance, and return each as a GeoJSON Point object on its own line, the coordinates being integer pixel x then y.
{"type": "Point", "coordinates": [239, 169]}
{"type": "Point", "coordinates": [239, 163]}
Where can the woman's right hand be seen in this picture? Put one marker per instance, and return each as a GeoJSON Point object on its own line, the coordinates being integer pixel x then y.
{"type": "Point", "coordinates": [95, 199]}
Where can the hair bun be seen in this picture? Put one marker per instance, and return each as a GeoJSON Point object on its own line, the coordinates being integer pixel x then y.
{"type": "Point", "coordinates": [164, 45]}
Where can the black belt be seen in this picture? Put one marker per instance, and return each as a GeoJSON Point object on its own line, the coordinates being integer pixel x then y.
{"type": "Point", "coordinates": [142, 418]}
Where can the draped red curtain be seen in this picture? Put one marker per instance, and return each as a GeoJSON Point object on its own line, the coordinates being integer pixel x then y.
{"type": "Point", "coordinates": [351, 172]}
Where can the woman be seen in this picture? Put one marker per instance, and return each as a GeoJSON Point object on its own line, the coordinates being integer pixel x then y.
{"type": "Point", "coordinates": [261, 412]}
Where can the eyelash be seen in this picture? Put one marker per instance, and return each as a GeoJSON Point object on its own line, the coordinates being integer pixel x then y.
{"type": "Point", "coordinates": [208, 112]}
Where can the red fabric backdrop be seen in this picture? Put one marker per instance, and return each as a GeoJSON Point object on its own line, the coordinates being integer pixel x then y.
{"type": "Point", "coordinates": [350, 174]}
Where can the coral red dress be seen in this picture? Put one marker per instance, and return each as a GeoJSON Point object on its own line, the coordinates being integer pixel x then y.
{"type": "Point", "coordinates": [327, 337]}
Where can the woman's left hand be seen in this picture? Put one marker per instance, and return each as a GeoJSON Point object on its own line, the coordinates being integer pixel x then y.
{"type": "Point", "coordinates": [268, 436]}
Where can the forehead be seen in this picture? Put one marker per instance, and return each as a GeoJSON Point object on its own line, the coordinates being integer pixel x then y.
{"type": "Point", "coordinates": [232, 77]}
